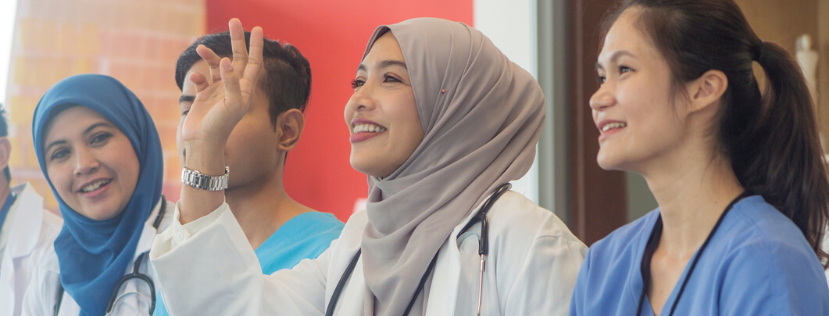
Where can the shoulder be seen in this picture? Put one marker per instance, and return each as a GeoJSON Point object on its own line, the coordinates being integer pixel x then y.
{"type": "Point", "coordinates": [757, 234]}
{"type": "Point", "coordinates": [515, 213]}
{"type": "Point", "coordinates": [620, 239]}
{"type": "Point", "coordinates": [762, 249]}
{"type": "Point", "coordinates": [317, 222]}
{"type": "Point", "coordinates": [523, 227]}
{"type": "Point", "coordinates": [620, 250]}
{"type": "Point", "coordinates": [755, 229]}
{"type": "Point", "coordinates": [312, 231]}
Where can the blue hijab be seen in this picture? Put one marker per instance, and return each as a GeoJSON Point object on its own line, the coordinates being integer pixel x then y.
{"type": "Point", "coordinates": [94, 255]}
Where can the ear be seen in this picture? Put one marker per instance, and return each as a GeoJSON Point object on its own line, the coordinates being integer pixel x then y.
{"type": "Point", "coordinates": [289, 125]}
{"type": "Point", "coordinates": [5, 152]}
{"type": "Point", "coordinates": [707, 90]}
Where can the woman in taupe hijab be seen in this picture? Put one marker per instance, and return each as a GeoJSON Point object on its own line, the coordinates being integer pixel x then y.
{"type": "Point", "coordinates": [440, 120]}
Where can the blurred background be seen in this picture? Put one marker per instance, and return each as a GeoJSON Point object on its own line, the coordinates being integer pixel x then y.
{"type": "Point", "coordinates": [138, 42]}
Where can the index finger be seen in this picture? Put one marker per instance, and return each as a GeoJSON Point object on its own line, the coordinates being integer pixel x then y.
{"type": "Point", "coordinates": [237, 43]}
{"type": "Point", "coordinates": [254, 64]}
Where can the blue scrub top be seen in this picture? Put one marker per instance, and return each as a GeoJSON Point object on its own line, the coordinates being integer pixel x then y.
{"type": "Point", "coordinates": [305, 236]}
{"type": "Point", "coordinates": [757, 263]}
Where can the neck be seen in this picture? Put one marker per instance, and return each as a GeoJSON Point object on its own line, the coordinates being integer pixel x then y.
{"type": "Point", "coordinates": [262, 206]}
{"type": "Point", "coordinates": [692, 192]}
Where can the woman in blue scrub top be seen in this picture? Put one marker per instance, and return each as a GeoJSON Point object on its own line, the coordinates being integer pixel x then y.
{"type": "Point", "coordinates": [738, 175]}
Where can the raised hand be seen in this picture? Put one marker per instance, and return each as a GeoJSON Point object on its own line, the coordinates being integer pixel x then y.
{"type": "Point", "coordinates": [222, 98]}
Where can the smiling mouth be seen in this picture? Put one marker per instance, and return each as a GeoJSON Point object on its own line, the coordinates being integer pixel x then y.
{"type": "Point", "coordinates": [368, 128]}
{"type": "Point", "coordinates": [95, 185]}
{"type": "Point", "coordinates": [613, 125]}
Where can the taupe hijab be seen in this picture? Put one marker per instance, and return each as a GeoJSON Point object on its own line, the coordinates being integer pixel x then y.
{"type": "Point", "coordinates": [481, 115]}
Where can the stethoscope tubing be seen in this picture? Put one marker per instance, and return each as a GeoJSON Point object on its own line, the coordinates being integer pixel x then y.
{"type": "Point", "coordinates": [483, 250]}
{"type": "Point", "coordinates": [134, 275]}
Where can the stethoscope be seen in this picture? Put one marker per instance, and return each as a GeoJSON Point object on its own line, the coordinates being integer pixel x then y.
{"type": "Point", "coordinates": [134, 275]}
{"type": "Point", "coordinates": [483, 250]}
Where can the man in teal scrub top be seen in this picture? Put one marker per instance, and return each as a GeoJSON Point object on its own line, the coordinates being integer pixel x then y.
{"type": "Point", "coordinates": [282, 231]}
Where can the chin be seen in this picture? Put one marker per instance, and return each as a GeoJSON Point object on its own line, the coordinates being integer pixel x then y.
{"type": "Point", "coordinates": [607, 162]}
{"type": "Point", "coordinates": [100, 212]}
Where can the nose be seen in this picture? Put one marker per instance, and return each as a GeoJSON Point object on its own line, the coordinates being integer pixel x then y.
{"type": "Point", "coordinates": [85, 162]}
{"type": "Point", "coordinates": [362, 99]}
{"type": "Point", "coordinates": [602, 98]}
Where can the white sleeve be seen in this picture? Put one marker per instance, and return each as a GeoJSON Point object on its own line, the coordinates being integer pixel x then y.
{"type": "Point", "coordinates": [545, 283]}
{"type": "Point", "coordinates": [210, 266]}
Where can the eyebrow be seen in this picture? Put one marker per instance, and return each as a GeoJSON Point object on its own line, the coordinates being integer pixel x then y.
{"type": "Point", "coordinates": [86, 131]}
{"type": "Point", "coordinates": [186, 98]}
{"type": "Point", "coordinates": [616, 55]}
{"type": "Point", "coordinates": [385, 63]}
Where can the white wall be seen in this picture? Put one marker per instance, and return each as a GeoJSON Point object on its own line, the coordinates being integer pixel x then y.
{"type": "Point", "coordinates": [511, 25]}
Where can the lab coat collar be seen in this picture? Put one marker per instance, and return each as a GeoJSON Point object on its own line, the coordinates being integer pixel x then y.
{"type": "Point", "coordinates": [26, 228]}
{"type": "Point", "coordinates": [446, 276]}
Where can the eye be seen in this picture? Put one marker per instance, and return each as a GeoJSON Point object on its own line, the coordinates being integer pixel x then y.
{"type": "Point", "coordinates": [356, 83]}
{"type": "Point", "coordinates": [100, 138]}
{"type": "Point", "coordinates": [59, 153]}
{"type": "Point", "coordinates": [624, 69]}
{"type": "Point", "coordinates": [184, 113]}
{"type": "Point", "coordinates": [602, 79]}
{"type": "Point", "coordinates": [390, 78]}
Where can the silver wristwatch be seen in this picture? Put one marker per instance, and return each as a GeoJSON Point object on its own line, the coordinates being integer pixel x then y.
{"type": "Point", "coordinates": [201, 181]}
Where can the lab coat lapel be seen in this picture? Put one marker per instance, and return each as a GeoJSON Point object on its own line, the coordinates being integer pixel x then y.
{"type": "Point", "coordinates": [443, 296]}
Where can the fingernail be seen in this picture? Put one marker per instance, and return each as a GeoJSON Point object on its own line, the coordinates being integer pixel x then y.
{"type": "Point", "coordinates": [228, 66]}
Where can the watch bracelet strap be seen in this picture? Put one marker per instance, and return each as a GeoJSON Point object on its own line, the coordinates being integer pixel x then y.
{"type": "Point", "coordinates": [202, 181]}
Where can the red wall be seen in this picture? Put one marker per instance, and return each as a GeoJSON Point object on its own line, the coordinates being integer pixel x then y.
{"type": "Point", "coordinates": [332, 34]}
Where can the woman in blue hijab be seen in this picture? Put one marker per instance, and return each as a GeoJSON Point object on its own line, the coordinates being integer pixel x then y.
{"type": "Point", "coordinates": [101, 154]}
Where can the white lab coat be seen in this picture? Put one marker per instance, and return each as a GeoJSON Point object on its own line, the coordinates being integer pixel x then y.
{"type": "Point", "coordinates": [41, 297]}
{"type": "Point", "coordinates": [29, 231]}
{"type": "Point", "coordinates": [531, 268]}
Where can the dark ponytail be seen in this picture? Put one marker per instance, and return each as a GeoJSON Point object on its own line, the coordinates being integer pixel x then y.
{"type": "Point", "coordinates": [771, 138]}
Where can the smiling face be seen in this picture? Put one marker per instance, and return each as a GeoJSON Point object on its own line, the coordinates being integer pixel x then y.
{"type": "Point", "coordinates": [382, 114]}
{"type": "Point", "coordinates": [638, 117]}
{"type": "Point", "coordinates": [91, 163]}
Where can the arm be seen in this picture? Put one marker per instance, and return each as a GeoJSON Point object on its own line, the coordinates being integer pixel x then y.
{"type": "Point", "coordinates": [220, 103]}
{"type": "Point", "coordinates": [545, 283]}
{"type": "Point", "coordinates": [215, 270]}
{"type": "Point", "coordinates": [203, 261]}
{"type": "Point", "coordinates": [539, 265]}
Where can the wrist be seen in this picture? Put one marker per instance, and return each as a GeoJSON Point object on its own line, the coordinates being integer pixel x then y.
{"type": "Point", "coordinates": [207, 158]}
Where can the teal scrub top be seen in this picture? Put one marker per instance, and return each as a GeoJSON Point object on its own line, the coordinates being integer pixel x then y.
{"type": "Point", "coordinates": [305, 236]}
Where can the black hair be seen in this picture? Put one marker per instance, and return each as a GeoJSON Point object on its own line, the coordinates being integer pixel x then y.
{"type": "Point", "coordinates": [771, 139]}
{"type": "Point", "coordinates": [287, 81]}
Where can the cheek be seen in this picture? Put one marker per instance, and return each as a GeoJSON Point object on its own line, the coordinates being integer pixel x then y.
{"type": "Point", "coordinates": [58, 176]}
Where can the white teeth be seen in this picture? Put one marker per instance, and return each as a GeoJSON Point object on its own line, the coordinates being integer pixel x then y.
{"type": "Point", "coordinates": [94, 186]}
{"type": "Point", "coordinates": [613, 125]}
{"type": "Point", "coordinates": [370, 128]}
